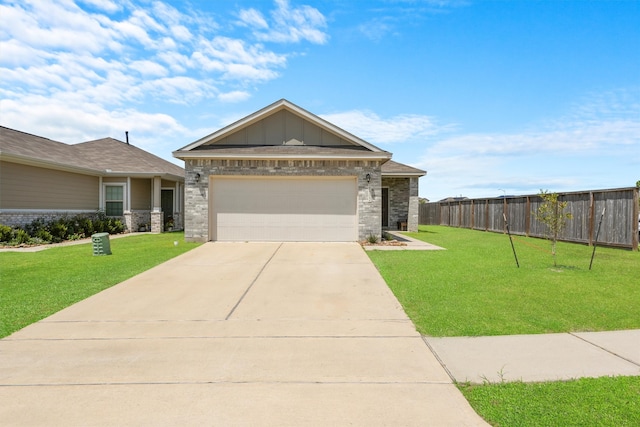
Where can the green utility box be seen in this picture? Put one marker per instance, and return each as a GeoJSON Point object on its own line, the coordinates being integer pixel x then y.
{"type": "Point", "coordinates": [101, 245]}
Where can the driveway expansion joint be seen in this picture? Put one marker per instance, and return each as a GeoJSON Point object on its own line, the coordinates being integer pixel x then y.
{"type": "Point", "coordinates": [440, 361]}
{"type": "Point", "coordinates": [253, 282]}
{"type": "Point", "coordinates": [605, 349]}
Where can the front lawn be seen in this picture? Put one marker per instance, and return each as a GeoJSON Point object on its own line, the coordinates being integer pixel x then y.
{"type": "Point", "coordinates": [474, 288]}
{"type": "Point", "coordinates": [584, 402]}
{"type": "Point", "coordinates": [34, 285]}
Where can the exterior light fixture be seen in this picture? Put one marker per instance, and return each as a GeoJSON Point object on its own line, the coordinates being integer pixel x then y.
{"type": "Point", "coordinates": [197, 177]}
{"type": "Point", "coordinates": [368, 177]}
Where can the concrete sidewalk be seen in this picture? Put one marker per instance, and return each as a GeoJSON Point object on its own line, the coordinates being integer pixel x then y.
{"type": "Point", "coordinates": [233, 334]}
{"type": "Point", "coordinates": [410, 244]}
{"type": "Point", "coordinates": [546, 357]}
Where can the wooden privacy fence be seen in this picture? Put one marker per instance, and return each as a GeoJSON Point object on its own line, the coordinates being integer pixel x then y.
{"type": "Point", "coordinates": [619, 224]}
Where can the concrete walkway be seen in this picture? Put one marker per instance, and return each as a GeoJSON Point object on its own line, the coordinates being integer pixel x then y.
{"type": "Point", "coordinates": [410, 244]}
{"type": "Point", "coordinates": [233, 334]}
{"type": "Point", "coordinates": [546, 357]}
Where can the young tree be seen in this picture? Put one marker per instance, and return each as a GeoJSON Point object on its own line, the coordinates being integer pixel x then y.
{"type": "Point", "coordinates": [551, 213]}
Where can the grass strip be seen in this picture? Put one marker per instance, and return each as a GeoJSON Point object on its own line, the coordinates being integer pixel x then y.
{"type": "Point", "coordinates": [606, 401]}
{"type": "Point", "coordinates": [34, 285]}
{"type": "Point", "coordinates": [473, 288]}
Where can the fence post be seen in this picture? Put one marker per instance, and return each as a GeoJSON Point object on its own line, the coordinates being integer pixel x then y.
{"type": "Point", "coordinates": [592, 213]}
{"type": "Point", "coordinates": [473, 214]}
{"type": "Point", "coordinates": [527, 216]}
{"type": "Point", "coordinates": [636, 219]}
{"type": "Point", "coordinates": [505, 213]}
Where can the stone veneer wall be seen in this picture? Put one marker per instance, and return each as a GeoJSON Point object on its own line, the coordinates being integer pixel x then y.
{"type": "Point", "coordinates": [17, 218]}
{"type": "Point", "coordinates": [135, 218]}
{"type": "Point", "coordinates": [403, 201]}
{"type": "Point", "coordinates": [414, 205]}
{"type": "Point", "coordinates": [157, 221]}
{"type": "Point", "coordinates": [196, 219]}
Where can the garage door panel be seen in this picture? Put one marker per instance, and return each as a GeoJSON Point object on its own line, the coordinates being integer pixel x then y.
{"type": "Point", "coordinates": [284, 209]}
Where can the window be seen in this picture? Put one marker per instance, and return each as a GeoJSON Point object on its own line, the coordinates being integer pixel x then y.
{"type": "Point", "coordinates": [114, 200]}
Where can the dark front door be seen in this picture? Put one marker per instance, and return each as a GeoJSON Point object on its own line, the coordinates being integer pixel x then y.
{"type": "Point", "coordinates": [385, 207]}
{"type": "Point", "coordinates": [166, 203]}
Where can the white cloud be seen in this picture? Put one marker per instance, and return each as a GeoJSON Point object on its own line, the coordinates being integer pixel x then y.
{"type": "Point", "coordinates": [149, 68]}
{"type": "Point", "coordinates": [178, 90]}
{"type": "Point", "coordinates": [253, 18]}
{"type": "Point", "coordinates": [377, 130]}
{"type": "Point", "coordinates": [236, 60]}
{"type": "Point", "coordinates": [547, 156]}
{"type": "Point", "coordinates": [106, 5]}
{"type": "Point", "coordinates": [234, 96]}
{"type": "Point", "coordinates": [288, 24]}
{"type": "Point", "coordinates": [64, 122]}
{"type": "Point", "coordinates": [75, 70]}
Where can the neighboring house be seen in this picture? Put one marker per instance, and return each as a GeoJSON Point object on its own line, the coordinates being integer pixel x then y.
{"type": "Point", "coordinates": [41, 178]}
{"type": "Point", "coordinates": [284, 174]}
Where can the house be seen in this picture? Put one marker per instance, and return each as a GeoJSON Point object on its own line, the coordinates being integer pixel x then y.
{"type": "Point", "coordinates": [42, 178]}
{"type": "Point", "coordinates": [285, 174]}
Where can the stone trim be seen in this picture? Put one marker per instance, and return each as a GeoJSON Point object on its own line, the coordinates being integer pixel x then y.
{"type": "Point", "coordinates": [22, 217]}
{"type": "Point", "coordinates": [369, 197]}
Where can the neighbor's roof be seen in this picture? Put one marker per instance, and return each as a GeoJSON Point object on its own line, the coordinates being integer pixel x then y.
{"type": "Point", "coordinates": [392, 168]}
{"type": "Point", "coordinates": [102, 157]}
{"type": "Point", "coordinates": [120, 157]}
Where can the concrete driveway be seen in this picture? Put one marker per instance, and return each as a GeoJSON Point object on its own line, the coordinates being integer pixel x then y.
{"type": "Point", "coordinates": [233, 334]}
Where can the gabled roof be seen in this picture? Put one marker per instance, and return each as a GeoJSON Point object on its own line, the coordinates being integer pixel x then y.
{"type": "Point", "coordinates": [102, 157]}
{"type": "Point", "coordinates": [216, 144]}
{"type": "Point", "coordinates": [392, 168]}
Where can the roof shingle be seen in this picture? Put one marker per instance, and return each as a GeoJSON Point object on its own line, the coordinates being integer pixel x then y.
{"type": "Point", "coordinates": [104, 156]}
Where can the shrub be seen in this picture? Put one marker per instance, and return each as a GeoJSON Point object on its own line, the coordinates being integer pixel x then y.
{"type": "Point", "coordinates": [36, 226]}
{"type": "Point", "coordinates": [6, 233]}
{"type": "Point", "coordinates": [58, 230]}
{"type": "Point", "coordinates": [84, 225]}
{"type": "Point", "coordinates": [66, 228]}
{"type": "Point", "coordinates": [44, 236]}
{"type": "Point", "coordinates": [20, 237]}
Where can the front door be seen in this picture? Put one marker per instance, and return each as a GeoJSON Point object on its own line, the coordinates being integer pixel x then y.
{"type": "Point", "coordinates": [166, 203]}
{"type": "Point", "coordinates": [385, 207]}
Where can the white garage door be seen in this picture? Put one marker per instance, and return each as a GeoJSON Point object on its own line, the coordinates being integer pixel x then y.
{"type": "Point", "coordinates": [283, 209]}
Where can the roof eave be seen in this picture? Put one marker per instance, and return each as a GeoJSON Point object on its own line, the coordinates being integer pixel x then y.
{"type": "Point", "coordinates": [123, 174]}
{"type": "Point", "coordinates": [404, 174]}
{"type": "Point", "coordinates": [48, 164]}
{"type": "Point", "coordinates": [208, 155]}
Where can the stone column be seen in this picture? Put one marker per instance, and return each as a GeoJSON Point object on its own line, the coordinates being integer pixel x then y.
{"type": "Point", "coordinates": [414, 205]}
{"type": "Point", "coordinates": [157, 217]}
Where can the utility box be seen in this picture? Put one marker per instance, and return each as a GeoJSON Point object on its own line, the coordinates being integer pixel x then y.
{"type": "Point", "coordinates": [101, 245]}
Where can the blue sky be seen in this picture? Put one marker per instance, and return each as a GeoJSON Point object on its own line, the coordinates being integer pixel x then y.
{"type": "Point", "coordinates": [489, 97]}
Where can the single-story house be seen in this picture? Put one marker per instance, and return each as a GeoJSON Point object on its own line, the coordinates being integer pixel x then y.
{"type": "Point", "coordinates": [285, 174]}
{"type": "Point", "coordinates": [42, 178]}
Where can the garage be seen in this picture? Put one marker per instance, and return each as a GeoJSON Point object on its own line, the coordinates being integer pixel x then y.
{"type": "Point", "coordinates": [283, 209]}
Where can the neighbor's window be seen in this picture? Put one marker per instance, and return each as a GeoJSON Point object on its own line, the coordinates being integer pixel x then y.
{"type": "Point", "coordinates": [114, 200]}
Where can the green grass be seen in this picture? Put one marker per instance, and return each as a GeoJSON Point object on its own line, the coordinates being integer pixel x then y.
{"type": "Point", "coordinates": [34, 285]}
{"type": "Point", "coordinates": [474, 287]}
{"type": "Point", "coordinates": [584, 402]}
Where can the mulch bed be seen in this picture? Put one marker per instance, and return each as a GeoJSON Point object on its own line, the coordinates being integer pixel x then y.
{"type": "Point", "coordinates": [383, 243]}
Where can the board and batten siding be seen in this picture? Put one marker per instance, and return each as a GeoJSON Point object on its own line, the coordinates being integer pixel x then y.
{"type": "Point", "coordinates": [28, 187]}
{"type": "Point", "coordinates": [283, 127]}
